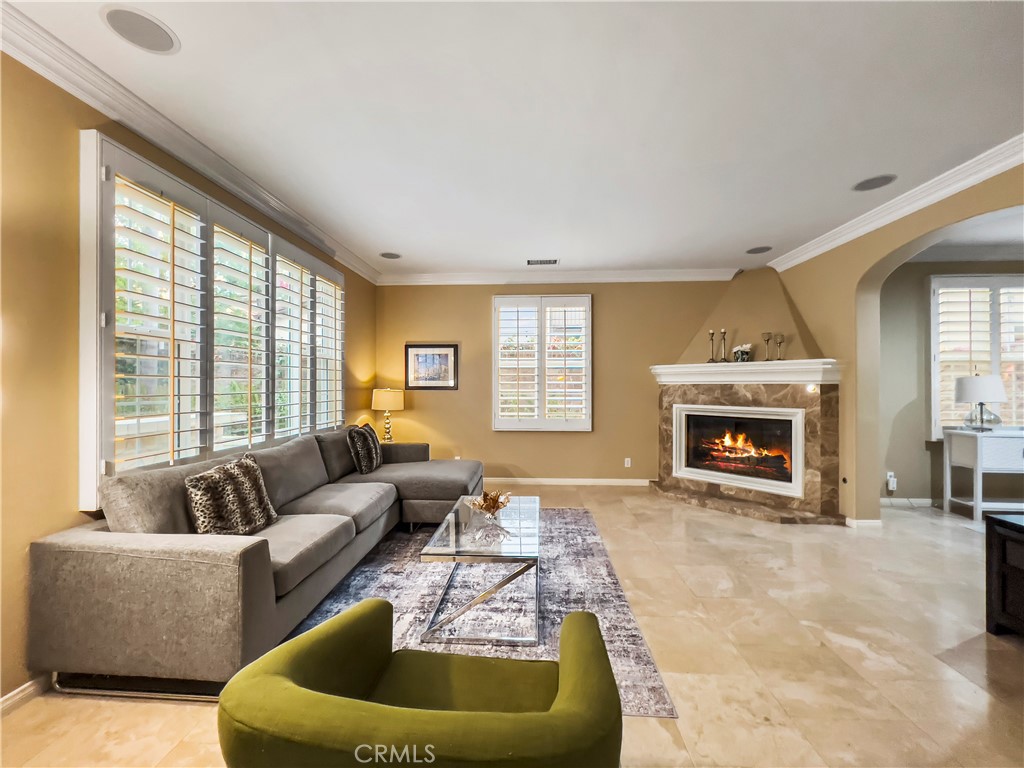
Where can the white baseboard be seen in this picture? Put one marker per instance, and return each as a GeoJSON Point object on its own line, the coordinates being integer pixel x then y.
{"type": "Point", "coordinates": [568, 481]}
{"type": "Point", "coordinates": [23, 694]}
{"type": "Point", "coordinates": [854, 523]}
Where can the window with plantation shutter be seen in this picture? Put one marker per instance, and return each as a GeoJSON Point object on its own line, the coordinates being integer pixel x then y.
{"type": "Point", "coordinates": [293, 348]}
{"type": "Point", "coordinates": [241, 340]}
{"type": "Point", "coordinates": [330, 358]}
{"type": "Point", "coordinates": [977, 328]}
{"type": "Point", "coordinates": [158, 319]}
{"type": "Point", "coordinates": [542, 363]}
{"type": "Point", "coordinates": [200, 332]}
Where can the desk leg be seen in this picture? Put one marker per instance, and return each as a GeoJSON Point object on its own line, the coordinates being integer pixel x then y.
{"type": "Point", "coordinates": [978, 495]}
{"type": "Point", "coordinates": [947, 485]}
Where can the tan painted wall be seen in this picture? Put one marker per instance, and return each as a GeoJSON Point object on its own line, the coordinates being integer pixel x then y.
{"type": "Point", "coordinates": [756, 302]}
{"type": "Point", "coordinates": [39, 299]}
{"type": "Point", "coordinates": [825, 290]}
{"type": "Point", "coordinates": [905, 422]}
{"type": "Point", "coordinates": [636, 325]}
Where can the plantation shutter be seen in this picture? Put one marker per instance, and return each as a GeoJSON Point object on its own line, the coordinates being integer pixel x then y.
{"type": "Point", "coordinates": [293, 348]}
{"type": "Point", "coordinates": [566, 344]}
{"type": "Point", "coordinates": [542, 363]}
{"type": "Point", "coordinates": [330, 359]}
{"type": "Point", "coordinates": [1011, 352]}
{"type": "Point", "coordinates": [517, 374]}
{"type": "Point", "coordinates": [158, 299]}
{"type": "Point", "coordinates": [241, 340]}
{"type": "Point", "coordinates": [964, 343]}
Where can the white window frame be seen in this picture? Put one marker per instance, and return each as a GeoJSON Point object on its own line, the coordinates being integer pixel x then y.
{"type": "Point", "coordinates": [100, 160]}
{"type": "Point", "coordinates": [542, 423]}
{"type": "Point", "coordinates": [991, 281]}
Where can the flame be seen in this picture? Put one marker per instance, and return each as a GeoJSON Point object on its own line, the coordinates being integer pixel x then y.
{"type": "Point", "coordinates": [740, 446]}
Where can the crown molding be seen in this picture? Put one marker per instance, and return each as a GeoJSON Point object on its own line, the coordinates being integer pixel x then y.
{"type": "Point", "coordinates": [548, 277]}
{"type": "Point", "coordinates": [1001, 158]}
{"type": "Point", "coordinates": [43, 53]}
{"type": "Point", "coordinates": [815, 371]}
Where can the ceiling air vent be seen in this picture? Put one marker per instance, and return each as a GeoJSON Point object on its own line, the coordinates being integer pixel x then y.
{"type": "Point", "coordinates": [541, 262]}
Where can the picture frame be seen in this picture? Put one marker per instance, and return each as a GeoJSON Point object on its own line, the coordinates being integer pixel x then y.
{"type": "Point", "coordinates": [432, 366]}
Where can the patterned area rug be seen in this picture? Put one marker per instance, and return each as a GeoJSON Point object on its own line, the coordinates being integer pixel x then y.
{"type": "Point", "coordinates": [576, 575]}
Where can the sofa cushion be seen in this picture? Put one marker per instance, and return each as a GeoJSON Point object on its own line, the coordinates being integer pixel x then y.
{"type": "Point", "coordinates": [299, 544]}
{"type": "Point", "coordinates": [365, 447]}
{"type": "Point", "coordinates": [230, 499]}
{"type": "Point", "coordinates": [151, 500]}
{"type": "Point", "coordinates": [436, 479]}
{"type": "Point", "coordinates": [335, 451]}
{"type": "Point", "coordinates": [291, 469]}
{"type": "Point", "coordinates": [363, 502]}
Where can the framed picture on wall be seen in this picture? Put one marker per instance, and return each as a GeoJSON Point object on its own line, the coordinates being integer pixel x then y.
{"type": "Point", "coordinates": [431, 366]}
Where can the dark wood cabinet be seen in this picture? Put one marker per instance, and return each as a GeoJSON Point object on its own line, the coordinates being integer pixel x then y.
{"type": "Point", "coordinates": [1005, 573]}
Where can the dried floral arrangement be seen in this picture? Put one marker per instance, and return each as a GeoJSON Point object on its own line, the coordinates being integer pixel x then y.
{"type": "Point", "coordinates": [491, 502]}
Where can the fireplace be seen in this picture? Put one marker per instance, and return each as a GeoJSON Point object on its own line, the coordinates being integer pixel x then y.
{"type": "Point", "coordinates": [756, 448]}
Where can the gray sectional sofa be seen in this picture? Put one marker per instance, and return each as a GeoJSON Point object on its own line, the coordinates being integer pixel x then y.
{"type": "Point", "coordinates": [140, 595]}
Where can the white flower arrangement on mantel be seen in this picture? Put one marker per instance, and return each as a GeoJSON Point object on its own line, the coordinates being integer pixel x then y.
{"type": "Point", "coordinates": [741, 348]}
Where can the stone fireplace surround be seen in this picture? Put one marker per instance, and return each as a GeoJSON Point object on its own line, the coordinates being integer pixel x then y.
{"type": "Point", "coordinates": [811, 385]}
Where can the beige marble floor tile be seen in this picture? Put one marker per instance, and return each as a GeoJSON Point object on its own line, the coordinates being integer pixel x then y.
{"type": "Point", "coordinates": [193, 754]}
{"type": "Point", "coordinates": [877, 653]}
{"type": "Point", "coordinates": [653, 742]}
{"type": "Point", "coordinates": [117, 736]}
{"type": "Point", "coordinates": [756, 620]}
{"type": "Point", "coordinates": [689, 645]}
{"type": "Point", "coordinates": [669, 597]}
{"type": "Point", "coordinates": [953, 700]}
{"type": "Point", "coordinates": [734, 720]}
{"type": "Point", "coordinates": [874, 744]}
{"type": "Point", "coordinates": [993, 743]}
{"type": "Point", "coordinates": [640, 564]}
{"type": "Point", "coordinates": [998, 671]}
{"type": "Point", "coordinates": [715, 581]}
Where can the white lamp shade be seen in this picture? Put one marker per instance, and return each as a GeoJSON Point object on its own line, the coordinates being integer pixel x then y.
{"type": "Point", "coordinates": [388, 400]}
{"type": "Point", "coordinates": [980, 389]}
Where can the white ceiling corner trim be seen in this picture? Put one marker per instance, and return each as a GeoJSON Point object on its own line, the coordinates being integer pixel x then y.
{"type": "Point", "coordinates": [37, 49]}
{"type": "Point", "coordinates": [991, 163]}
{"type": "Point", "coordinates": [528, 277]}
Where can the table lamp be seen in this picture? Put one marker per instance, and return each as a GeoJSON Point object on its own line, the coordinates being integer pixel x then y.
{"type": "Point", "coordinates": [980, 390]}
{"type": "Point", "coordinates": [388, 400]}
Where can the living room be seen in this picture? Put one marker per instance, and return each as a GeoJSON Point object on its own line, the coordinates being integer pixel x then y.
{"type": "Point", "coordinates": [771, 253]}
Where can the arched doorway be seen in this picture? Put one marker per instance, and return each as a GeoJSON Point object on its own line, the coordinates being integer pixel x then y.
{"type": "Point", "coordinates": [870, 479]}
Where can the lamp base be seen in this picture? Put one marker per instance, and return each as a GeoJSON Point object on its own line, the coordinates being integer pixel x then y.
{"type": "Point", "coordinates": [981, 419]}
{"type": "Point", "coordinates": [387, 427]}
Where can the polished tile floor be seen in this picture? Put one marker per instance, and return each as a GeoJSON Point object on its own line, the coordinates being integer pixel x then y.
{"type": "Point", "coordinates": [781, 646]}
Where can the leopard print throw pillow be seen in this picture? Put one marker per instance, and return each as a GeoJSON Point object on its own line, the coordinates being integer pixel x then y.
{"type": "Point", "coordinates": [365, 447]}
{"type": "Point", "coordinates": [230, 499]}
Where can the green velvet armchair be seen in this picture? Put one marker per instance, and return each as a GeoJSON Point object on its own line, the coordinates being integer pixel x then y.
{"type": "Point", "coordinates": [339, 696]}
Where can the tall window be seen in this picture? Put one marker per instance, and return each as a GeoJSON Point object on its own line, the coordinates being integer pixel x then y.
{"type": "Point", "coordinates": [212, 334]}
{"type": "Point", "coordinates": [330, 358]}
{"type": "Point", "coordinates": [241, 340]}
{"type": "Point", "coordinates": [158, 297]}
{"type": "Point", "coordinates": [293, 348]}
{"type": "Point", "coordinates": [542, 363]}
{"type": "Point", "coordinates": [977, 327]}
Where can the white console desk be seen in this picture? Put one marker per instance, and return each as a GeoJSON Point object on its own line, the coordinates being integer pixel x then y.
{"type": "Point", "coordinates": [998, 451]}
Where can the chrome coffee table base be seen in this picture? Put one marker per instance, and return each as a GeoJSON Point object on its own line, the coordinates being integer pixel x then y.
{"type": "Point", "coordinates": [430, 634]}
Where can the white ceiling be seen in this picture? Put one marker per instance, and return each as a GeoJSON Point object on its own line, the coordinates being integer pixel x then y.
{"type": "Point", "coordinates": [997, 236]}
{"type": "Point", "coordinates": [470, 137]}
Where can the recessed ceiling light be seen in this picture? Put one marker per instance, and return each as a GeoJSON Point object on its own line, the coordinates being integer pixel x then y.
{"type": "Point", "coordinates": [392, 256]}
{"type": "Point", "coordinates": [760, 249]}
{"type": "Point", "coordinates": [874, 182]}
{"type": "Point", "coordinates": [140, 29]}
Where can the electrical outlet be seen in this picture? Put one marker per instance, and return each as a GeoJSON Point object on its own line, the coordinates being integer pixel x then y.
{"type": "Point", "coordinates": [457, 458]}
{"type": "Point", "coordinates": [890, 481]}
{"type": "Point", "coordinates": [629, 463]}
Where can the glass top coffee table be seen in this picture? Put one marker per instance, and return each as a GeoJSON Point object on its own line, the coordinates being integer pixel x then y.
{"type": "Point", "coordinates": [467, 536]}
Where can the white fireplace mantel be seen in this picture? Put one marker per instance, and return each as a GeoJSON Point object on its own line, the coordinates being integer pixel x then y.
{"type": "Point", "coordinates": [818, 371]}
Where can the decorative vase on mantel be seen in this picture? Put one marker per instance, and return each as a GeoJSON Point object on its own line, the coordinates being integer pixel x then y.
{"type": "Point", "coordinates": [741, 354]}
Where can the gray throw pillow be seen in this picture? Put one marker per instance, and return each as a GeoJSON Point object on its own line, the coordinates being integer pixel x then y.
{"type": "Point", "coordinates": [230, 499]}
{"type": "Point", "coordinates": [365, 447]}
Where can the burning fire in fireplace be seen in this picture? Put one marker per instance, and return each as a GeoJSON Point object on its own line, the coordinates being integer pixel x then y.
{"type": "Point", "coordinates": [740, 450]}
